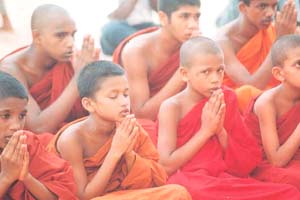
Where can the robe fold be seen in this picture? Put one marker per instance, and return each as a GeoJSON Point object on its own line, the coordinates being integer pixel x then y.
{"type": "Point", "coordinates": [146, 178]}
{"type": "Point", "coordinates": [254, 52]}
{"type": "Point", "coordinates": [214, 173]}
{"type": "Point", "coordinates": [285, 125]}
{"type": "Point", "coordinates": [157, 79]}
{"type": "Point", "coordinates": [50, 170]}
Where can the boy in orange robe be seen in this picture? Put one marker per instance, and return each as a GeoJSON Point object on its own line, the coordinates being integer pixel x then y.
{"type": "Point", "coordinates": [111, 155]}
{"type": "Point", "coordinates": [274, 116]}
{"type": "Point", "coordinates": [46, 71]}
{"type": "Point", "coordinates": [246, 43]}
{"type": "Point", "coordinates": [27, 171]}
{"type": "Point", "coordinates": [202, 140]}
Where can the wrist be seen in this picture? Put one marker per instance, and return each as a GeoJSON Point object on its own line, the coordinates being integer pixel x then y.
{"type": "Point", "coordinates": [6, 180]}
{"type": "Point", "coordinates": [27, 179]}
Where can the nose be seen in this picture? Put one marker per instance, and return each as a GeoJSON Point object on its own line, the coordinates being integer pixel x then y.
{"type": "Point", "coordinates": [15, 124]}
{"type": "Point", "coordinates": [216, 77]}
{"type": "Point", "coordinates": [270, 11]}
{"type": "Point", "coordinates": [70, 41]}
{"type": "Point", "coordinates": [193, 23]}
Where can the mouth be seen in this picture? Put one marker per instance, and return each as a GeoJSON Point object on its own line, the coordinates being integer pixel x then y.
{"type": "Point", "coordinates": [68, 54]}
{"type": "Point", "coordinates": [125, 112]}
{"type": "Point", "coordinates": [266, 22]}
{"type": "Point", "coordinates": [214, 89]}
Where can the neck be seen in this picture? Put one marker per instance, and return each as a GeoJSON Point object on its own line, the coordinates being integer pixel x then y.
{"type": "Point", "coordinates": [167, 42]}
{"type": "Point", "coordinates": [98, 127]}
{"type": "Point", "coordinates": [38, 59]}
{"type": "Point", "coordinates": [290, 94]}
{"type": "Point", "coordinates": [245, 28]}
{"type": "Point", "coordinates": [193, 96]}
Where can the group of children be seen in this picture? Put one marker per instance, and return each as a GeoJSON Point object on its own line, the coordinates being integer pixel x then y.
{"type": "Point", "coordinates": [204, 148]}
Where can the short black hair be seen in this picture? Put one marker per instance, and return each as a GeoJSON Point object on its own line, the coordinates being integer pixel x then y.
{"type": "Point", "coordinates": [247, 2]}
{"type": "Point", "coordinates": [282, 47]}
{"type": "Point", "coordinates": [169, 6]}
{"type": "Point", "coordinates": [11, 87]}
{"type": "Point", "coordinates": [92, 76]}
{"type": "Point", "coordinates": [196, 45]}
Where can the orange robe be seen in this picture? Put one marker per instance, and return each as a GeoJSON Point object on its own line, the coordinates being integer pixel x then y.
{"type": "Point", "coordinates": [49, 169]}
{"type": "Point", "coordinates": [286, 124]}
{"type": "Point", "coordinates": [214, 173]}
{"type": "Point", "coordinates": [157, 79]}
{"type": "Point", "coordinates": [141, 182]}
{"type": "Point", "coordinates": [252, 55]}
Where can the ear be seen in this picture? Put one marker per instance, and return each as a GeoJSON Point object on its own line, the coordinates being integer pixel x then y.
{"type": "Point", "coordinates": [242, 7]}
{"type": "Point", "coordinates": [87, 103]}
{"type": "Point", "coordinates": [278, 73]}
{"type": "Point", "coordinates": [163, 18]}
{"type": "Point", "coordinates": [36, 37]}
{"type": "Point", "coordinates": [183, 72]}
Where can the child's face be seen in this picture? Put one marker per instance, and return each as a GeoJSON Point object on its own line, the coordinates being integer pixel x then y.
{"type": "Point", "coordinates": [111, 101]}
{"type": "Point", "coordinates": [290, 70]}
{"type": "Point", "coordinates": [12, 117]}
{"type": "Point", "coordinates": [205, 73]}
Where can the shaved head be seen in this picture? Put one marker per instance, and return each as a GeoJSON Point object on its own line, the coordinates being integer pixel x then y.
{"type": "Point", "coordinates": [47, 13]}
{"type": "Point", "coordinates": [282, 47]}
{"type": "Point", "coordinates": [198, 45]}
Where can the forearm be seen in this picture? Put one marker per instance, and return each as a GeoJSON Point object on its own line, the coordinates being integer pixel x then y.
{"type": "Point", "coordinates": [37, 189]}
{"type": "Point", "coordinates": [4, 185]}
{"type": "Point", "coordinates": [286, 152]}
{"type": "Point", "coordinates": [151, 107]}
{"type": "Point", "coordinates": [97, 185]}
{"type": "Point", "coordinates": [130, 159]}
{"type": "Point", "coordinates": [124, 10]}
{"type": "Point", "coordinates": [49, 119]}
{"type": "Point", "coordinates": [183, 154]}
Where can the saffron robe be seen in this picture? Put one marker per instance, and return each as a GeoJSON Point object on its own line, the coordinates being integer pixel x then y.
{"type": "Point", "coordinates": [254, 52]}
{"type": "Point", "coordinates": [157, 79]}
{"type": "Point", "coordinates": [214, 173]}
{"type": "Point", "coordinates": [141, 182]}
{"type": "Point", "coordinates": [50, 170]}
{"type": "Point", "coordinates": [285, 125]}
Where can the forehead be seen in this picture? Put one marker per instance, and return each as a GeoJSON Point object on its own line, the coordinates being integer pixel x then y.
{"type": "Point", "coordinates": [206, 60]}
{"type": "Point", "coordinates": [12, 103]}
{"type": "Point", "coordinates": [187, 9]}
{"type": "Point", "coordinates": [63, 23]}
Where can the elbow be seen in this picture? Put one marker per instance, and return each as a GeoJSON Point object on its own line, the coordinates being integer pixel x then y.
{"type": "Point", "coordinates": [277, 162]}
{"type": "Point", "coordinates": [169, 168]}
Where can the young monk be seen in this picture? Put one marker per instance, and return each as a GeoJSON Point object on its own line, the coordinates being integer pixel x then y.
{"type": "Point", "coordinates": [202, 140]}
{"type": "Point", "coordinates": [44, 68]}
{"type": "Point", "coordinates": [246, 43]}
{"type": "Point", "coordinates": [27, 171]}
{"type": "Point", "coordinates": [111, 155]}
{"type": "Point", "coordinates": [151, 58]}
{"type": "Point", "coordinates": [274, 116]}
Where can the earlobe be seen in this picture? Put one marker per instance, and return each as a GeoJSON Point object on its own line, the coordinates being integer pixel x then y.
{"type": "Point", "coordinates": [36, 37]}
{"type": "Point", "coordinates": [242, 7]}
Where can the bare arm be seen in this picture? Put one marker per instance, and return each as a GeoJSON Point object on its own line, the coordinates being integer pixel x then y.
{"type": "Point", "coordinates": [124, 9]}
{"type": "Point", "coordinates": [37, 120]}
{"type": "Point", "coordinates": [237, 72]}
{"type": "Point", "coordinates": [278, 155]}
{"type": "Point", "coordinates": [142, 104]}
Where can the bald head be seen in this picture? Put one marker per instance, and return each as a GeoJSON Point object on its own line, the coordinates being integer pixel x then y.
{"type": "Point", "coordinates": [282, 47]}
{"type": "Point", "coordinates": [45, 14]}
{"type": "Point", "coordinates": [198, 45]}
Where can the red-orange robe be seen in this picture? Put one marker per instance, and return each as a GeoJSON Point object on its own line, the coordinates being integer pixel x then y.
{"type": "Point", "coordinates": [285, 125]}
{"type": "Point", "coordinates": [145, 173]}
{"type": "Point", "coordinates": [214, 174]}
{"type": "Point", "coordinates": [50, 170]}
{"type": "Point", "coordinates": [50, 87]}
{"type": "Point", "coordinates": [157, 78]}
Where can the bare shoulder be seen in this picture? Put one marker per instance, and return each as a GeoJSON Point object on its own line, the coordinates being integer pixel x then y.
{"type": "Point", "coordinates": [266, 101]}
{"type": "Point", "coordinates": [69, 140]}
{"type": "Point", "coordinates": [12, 65]}
{"type": "Point", "coordinates": [171, 107]}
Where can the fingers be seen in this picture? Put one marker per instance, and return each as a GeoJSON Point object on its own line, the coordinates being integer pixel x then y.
{"type": "Point", "coordinates": [11, 145]}
{"type": "Point", "coordinates": [25, 164]}
{"type": "Point", "coordinates": [133, 138]}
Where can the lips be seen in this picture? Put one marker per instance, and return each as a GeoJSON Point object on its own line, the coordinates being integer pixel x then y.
{"type": "Point", "coordinates": [125, 112]}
